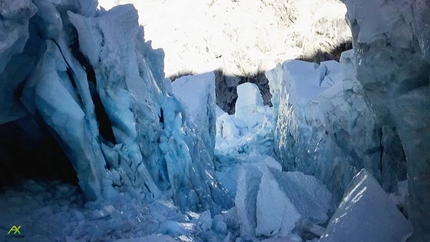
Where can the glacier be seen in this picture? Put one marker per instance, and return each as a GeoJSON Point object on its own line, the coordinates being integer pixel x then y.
{"type": "Point", "coordinates": [391, 52]}
{"type": "Point", "coordinates": [197, 93]}
{"type": "Point", "coordinates": [95, 61]}
{"type": "Point", "coordinates": [248, 131]}
{"type": "Point", "coordinates": [16, 59]}
{"type": "Point", "coordinates": [156, 159]}
{"type": "Point", "coordinates": [325, 128]}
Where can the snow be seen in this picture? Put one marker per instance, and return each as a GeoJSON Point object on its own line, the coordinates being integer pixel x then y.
{"type": "Point", "coordinates": [366, 214]}
{"type": "Point", "coordinates": [238, 37]}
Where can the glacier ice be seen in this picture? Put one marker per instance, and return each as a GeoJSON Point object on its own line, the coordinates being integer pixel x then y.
{"type": "Point", "coordinates": [140, 118]}
{"type": "Point", "coordinates": [270, 202]}
{"type": "Point", "coordinates": [101, 91]}
{"type": "Point", "coordinates": [147, 151]}
{"type": "Point", "coordinates": [61, 111]}
{"type": "Point", "coordinates": [301, 140]}
{"type": "Point", "coordinates": [15, 33]}
{"type": "Point", "coordinates": [248, 101]}
{"type": "Point", "coordinates": [324, 127]}
{"type": "Point", "coordinates": [352, 124]}
{"type": "Point", "coordinates": [48, 205]}
{"type": "Point", "coordinates": [154, 238]}
{"type": "Point", "coordinates": [197, 93]}
{"type": "Point", "coordinates": [366, 214]}
{"type": "Point", "coordinates": [247, 131]}
{"type": "Point", "coordinates": [16, 53]}
{"type": "Point", "coordinates": [391, 43]}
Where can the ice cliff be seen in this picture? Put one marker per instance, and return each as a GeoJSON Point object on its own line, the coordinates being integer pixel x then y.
{"type": "Point", "coordinates": [325, 128]}
{"type": "Point", "coordinates": [374, 115]}
{"type": "Point", "coordinates": [392, 63]}
{"type": "Point", "coordinates": [88, 76]}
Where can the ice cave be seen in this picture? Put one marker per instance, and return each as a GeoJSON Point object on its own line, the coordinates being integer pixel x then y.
{"type": "Point", "coordinates": [221, 120]}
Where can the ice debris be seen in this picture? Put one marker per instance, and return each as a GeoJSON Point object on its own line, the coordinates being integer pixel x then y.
{"type": "Point", "coordinates": [366, 214]}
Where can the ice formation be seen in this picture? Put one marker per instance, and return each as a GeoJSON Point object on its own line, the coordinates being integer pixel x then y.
{"type": "Point", "coordinates": [248, 130]}
{"type": "Point", "coordinates": [392, 63]}
{"type": "Point", "coordinates": [101, 90]}
{"type": "Point", "coordinates": [12, 60]}
{"type": "Point", "coordinates": [158, 160]}
{"type": "Point", "coordinates": [270, 202]}
{"type": "Point", "coordinates": [366, 214]}
{"type": "Point", "coordinates": [197, 93]}
{"type": "Point", "coordinates": [248, 102]}
{"type": "Point", "coordinates": [324, 127]}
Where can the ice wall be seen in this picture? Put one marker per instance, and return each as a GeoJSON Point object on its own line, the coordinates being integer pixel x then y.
{"type": "Point", "coordinates": [197, 93]}
{"type": "Point", "coordinates": [325, 128]}
{"type": "Point", "coordinates": [13, 36]}
{"type": "Point", "coordinates": [391, 51]}
{"type": "Point", "coordinates": [101, 91]}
